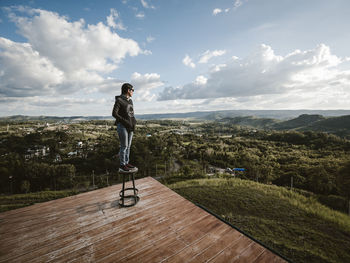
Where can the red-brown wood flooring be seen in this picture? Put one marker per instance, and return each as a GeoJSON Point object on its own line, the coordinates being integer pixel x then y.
{"type": "Point", "coordinates": [91, 227]}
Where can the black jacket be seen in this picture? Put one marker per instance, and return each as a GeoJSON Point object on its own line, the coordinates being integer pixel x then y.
{"type": "Point", "coordinates": [123, 112]}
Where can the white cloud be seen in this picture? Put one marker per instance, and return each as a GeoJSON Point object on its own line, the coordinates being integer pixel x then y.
{"type": "Point", "coordinates": [140, 15]}
{"type": "Point", "coordinates": [146, 52]}
{"type": "Point", "coordinates": [62, 105]}
{"type": "Point", "coordinates": [216, 68]}
{"type": "Point", "coordinates": [173, 106]}
{"type": "Point", "coordinates": [114, 21]}
{"type": "Point", "coordinates": [313, 78]}
{"type": "Point", "coordinates": [62, 101]}
{"type": "Point", "coordinates": [238, 3]}
{"type": "Point", "coordinates": [24, 72]}
{"type": "Point", "coordinates": [146, 5]}
{"type": "Point", "coordinates": [144, 84]}
{"type": "Point", "coordinates": [204, 58]}
{"type": "Point", "coordinates": [61, 56]}
{"type": "Point", "coordinates": [150, 39]}
{"type": "Point", "coordinates": [187, 61]}
{"type": "Point", "coordinates": [200, 81]}
{"type": "Point", "coordinates": [216, 11]}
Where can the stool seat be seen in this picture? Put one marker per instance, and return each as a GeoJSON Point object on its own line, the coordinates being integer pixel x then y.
{"type": "Point", "coordinates": [131, 198]}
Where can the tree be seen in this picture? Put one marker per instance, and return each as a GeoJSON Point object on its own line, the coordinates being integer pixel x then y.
{"type": "Point", "coordinates": [319, 181]}
{"type": "Point", "coordinates": [25, 186]}
{"type": "Point", "coordinates": [343, 181]}
{"type": "Point", "coordinates": [5, 179]}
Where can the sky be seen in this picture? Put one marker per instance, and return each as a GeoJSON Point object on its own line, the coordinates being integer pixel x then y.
{"type": "Point", "coordinates": [70, 58]}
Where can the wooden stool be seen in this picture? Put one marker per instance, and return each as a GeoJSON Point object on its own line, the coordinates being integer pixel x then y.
{"type": "Point", "coordinates": [128, 199]}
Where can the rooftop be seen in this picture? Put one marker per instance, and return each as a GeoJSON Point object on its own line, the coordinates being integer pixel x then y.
{"type": "Point", "coordinates": [91, 227]}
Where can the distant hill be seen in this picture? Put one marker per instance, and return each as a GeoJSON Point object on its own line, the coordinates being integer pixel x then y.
{"type": "Point", "coordinates": [337, 125]}
{"type": "Point", "coordinates": [23, 118]}
{"type": "Point", "coordinates": [276, 120]}
{"type": "Point", "coordinates": [294, 225]}
{"type": "Point", "coordinates": [303, 120]}
{"type": "Point", "coordinates": [199, 115]}
{"type": "Point", "coordinates": [251, 121]}
{"type": "Point", "coordinates": [217, 115]}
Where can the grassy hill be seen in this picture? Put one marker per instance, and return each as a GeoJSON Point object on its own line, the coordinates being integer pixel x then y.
{"type": "Point", "coordinates": [296, 226]}
{"type": "Point", "coordinates": [301, 121]}
{"type": "Point", "coordinates": [251, 121]}
{"type": "Point", "coordinates": [339, 125]}
{"type": "Point", "coordinates": [333, 124]}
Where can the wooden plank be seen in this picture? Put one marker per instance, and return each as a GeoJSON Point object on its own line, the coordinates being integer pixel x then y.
{"type": "Point", "coordinates": [104, 244]}
{"type": "Point", "coordinates": [250, 254]}
{"type": "Point", "coordinates": [78, 237]}
{"type": "Point", "coordinates": [60, 205]}
{"type": "Point", "coordinates": [66, 205]}
{"type": "Point", "coordinates": [195, 248]}
{"type": "Point", "coordinates": [43, 230]}
{"type": "Point", "coordinates": [229, 237]}
{"type": "Point", "coordinates": [148, 236]}
{"type": "Point", "coordinates": [165, 247]}
{"type": "Point", "coordinates": [82, 210]}
{"type": "Point", "coordinates": [268, 257]}
{"type": "Point", "coordinates": [91, 227]}
{"type": "Point", "coordinates": [81, 214]}
{"type": "Point", "coordinates": [232, 251]}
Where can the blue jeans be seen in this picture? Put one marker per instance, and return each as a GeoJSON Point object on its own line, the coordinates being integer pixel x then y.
{"type": "Point", "coordinates": [125, 138]}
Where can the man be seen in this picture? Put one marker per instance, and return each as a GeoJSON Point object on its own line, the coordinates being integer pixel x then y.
{"type": "Point", "coordinates": [123, 112]}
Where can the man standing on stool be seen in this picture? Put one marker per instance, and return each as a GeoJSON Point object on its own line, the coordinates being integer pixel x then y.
{"type": "Point", "coordinates": [123, 112]}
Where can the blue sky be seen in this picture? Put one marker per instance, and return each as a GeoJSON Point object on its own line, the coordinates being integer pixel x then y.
{"type": "Point", "coordinates": [70, 57]}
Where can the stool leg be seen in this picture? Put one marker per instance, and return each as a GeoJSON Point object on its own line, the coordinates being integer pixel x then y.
{"type": "Point", "coordinates": [133, 184]}
{"type": "Point", "coordinates": [123, 191]}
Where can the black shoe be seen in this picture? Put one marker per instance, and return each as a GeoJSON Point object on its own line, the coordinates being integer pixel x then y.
{"type": "Point", "coordinates": [125, 169]}
{"type": "Point", "coordinates": [131, 166]}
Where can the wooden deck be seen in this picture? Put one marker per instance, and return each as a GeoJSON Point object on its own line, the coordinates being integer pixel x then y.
{"type": "Point", "coordinates": [91, 227]}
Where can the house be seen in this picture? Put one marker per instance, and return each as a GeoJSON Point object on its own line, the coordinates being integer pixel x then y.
{"type": "Point", "coordinates": [71, 154]}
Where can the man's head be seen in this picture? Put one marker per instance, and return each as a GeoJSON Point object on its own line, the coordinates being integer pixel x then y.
{"type": "Point", "coordinates": [127, 89]}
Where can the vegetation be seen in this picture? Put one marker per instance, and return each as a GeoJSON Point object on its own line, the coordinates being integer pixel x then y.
{"type": "Point", "coordinates": [304, 173]}
{"type": "Point", "coordinates": [10, 202]}
{"type": "Point", "coordinates": [296, 226]}
{"type": "Point", "coordinates": [81, 156]}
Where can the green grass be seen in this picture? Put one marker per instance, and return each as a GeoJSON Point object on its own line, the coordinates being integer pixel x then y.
{"type": "Point", "coordinates": [9, 202]}
{"type": "Point", "coordinates": [298, 227]}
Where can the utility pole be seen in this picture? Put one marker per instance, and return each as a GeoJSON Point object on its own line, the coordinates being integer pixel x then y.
{"type": "Point", "coordinates": [10, 177]}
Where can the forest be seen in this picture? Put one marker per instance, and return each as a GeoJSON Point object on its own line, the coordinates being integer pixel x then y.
{"type": "Point", "coordinates": [82, 156]}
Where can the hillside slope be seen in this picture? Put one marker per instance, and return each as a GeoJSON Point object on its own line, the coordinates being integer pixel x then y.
{"type": "Point", "coordinates": [301, 121]}
{"type": "Point", "coordinates": [333, 124]}
{"type": "Point", "coordinates": [299, 228]}
{"type": "Point", "coordinates": [251, 121]}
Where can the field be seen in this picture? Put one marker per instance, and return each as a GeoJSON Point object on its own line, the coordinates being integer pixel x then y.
{"type": "Point", "coordinates": [9, 202]}
{"type": "Point", "coordinates": [298, 227]}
